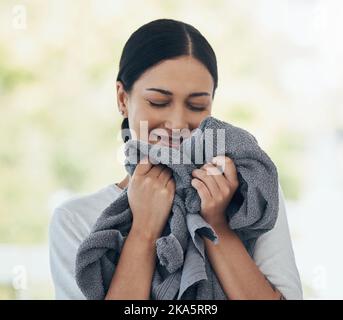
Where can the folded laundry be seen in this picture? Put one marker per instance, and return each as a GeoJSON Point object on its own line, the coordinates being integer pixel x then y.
{"type": "Point", "coordinates": [183, 270]}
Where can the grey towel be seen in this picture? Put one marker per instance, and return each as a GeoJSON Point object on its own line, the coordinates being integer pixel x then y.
{"type": "Point", "coordinates": [182, 268]}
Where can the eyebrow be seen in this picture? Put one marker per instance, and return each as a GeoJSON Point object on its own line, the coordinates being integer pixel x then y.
{"type": "Point", "coordinates": [168, 93]}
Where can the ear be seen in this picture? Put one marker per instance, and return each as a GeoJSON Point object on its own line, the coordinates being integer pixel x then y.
{"type": "Point", "coordinates": [122, 99]}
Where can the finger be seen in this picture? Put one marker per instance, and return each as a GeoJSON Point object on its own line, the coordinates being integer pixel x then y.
{"type": "Point", "coordinates": [228, 166]}
{"type": "Point", "coordinates": [156, 170]}
{"type": "Point", "coordinates": [217, 175]}
{"type": "Point", "coordinates": [165, 175]}
{"type": "Point", "coordinates": [211, 184]}
{"type": "Point", "coordinates": [143, 166]}
{"type": "Point", "coordinates": [202, 190]}
{"type": "Point", "coordinates": [171, 184]}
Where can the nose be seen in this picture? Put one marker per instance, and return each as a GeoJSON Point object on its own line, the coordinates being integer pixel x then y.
{"type": "Point", "coordinates": [177, 120]}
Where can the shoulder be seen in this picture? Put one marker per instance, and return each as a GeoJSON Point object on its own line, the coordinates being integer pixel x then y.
{"type": "Point", "coordinates": [70, 224]}
{"type": "Point", "coordinates": [280, 232]}
{"type": "Point", "coordinates": [77, 214]}
{"type": "Point", "coordinates": [275, 257]}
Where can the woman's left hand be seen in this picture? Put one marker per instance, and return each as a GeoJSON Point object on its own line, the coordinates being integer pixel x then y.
{"type": "Point", "coordinates": [216, 183]}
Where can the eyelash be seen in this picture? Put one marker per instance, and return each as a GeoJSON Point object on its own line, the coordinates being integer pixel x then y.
{"type": "Point", "coordinates": [164, 104]}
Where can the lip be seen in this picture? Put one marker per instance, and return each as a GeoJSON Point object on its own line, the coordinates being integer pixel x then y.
{"type": "Point", "coordinates": [174, 143]}
{"type": "Point", "coordinates": [170, 144]}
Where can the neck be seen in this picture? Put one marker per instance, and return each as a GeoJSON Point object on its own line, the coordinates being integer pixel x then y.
{"type": "Point", "coordinates": [122, 184]}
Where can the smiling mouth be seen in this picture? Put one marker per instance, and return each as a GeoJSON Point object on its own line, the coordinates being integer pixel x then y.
{"type": "Point", "coordinates": [174, 143]}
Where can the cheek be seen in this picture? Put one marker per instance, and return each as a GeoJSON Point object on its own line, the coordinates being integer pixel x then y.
{"type": "Point", "coordinates": [143, 122]}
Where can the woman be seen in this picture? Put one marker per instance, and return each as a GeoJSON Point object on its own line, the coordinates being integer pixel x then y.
{"type": "Point", "coordinates": [168, 77]}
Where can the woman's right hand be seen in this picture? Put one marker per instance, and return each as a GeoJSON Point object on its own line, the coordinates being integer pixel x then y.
{"type": "Point", "coordinates": [150, 192]}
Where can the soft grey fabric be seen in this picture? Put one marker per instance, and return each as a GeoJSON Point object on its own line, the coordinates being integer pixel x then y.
{"type": "Point", "coordinates": [182, 268]}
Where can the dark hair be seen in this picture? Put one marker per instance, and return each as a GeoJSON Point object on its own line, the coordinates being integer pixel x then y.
{"type": "Point", "coordinates": [159, 40]}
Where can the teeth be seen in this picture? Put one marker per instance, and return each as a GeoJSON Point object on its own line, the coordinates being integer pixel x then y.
{"type": "Point", "coordinates": [165, 138]}
{"type": "Point", "coordinates": [169, 143]}
{"type": "Point", "coordinates": [175, 141]}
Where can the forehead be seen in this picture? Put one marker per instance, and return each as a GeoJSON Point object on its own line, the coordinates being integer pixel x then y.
{"type": "Point", "coordinates": [181, 76]}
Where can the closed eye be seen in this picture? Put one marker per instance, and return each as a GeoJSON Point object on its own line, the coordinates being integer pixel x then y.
{"type": "Point", "coordinates": [158, 104]}
{"type": "Point", "coordinates": [192, 107]}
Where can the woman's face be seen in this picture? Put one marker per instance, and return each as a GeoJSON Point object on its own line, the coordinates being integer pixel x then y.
{"type": "Point", "coordinates": [176, 94]}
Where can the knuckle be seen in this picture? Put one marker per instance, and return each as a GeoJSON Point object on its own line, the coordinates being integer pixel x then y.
{"type": "Point", "coordinates": [164, 191]}
{"type": "Point", "coordinates": [136, 179]}
{"type": "Point", "coordinates": [148, 180]}
{"type": "Point", "coordinates": [220, 197]}
{"type": "Point", "coordinates": [226, 192]}
{"type": "Point", "coordinates": [210, 205]}
{"type": "Point", "coordinates": [200, 185]}
{"type": "Point", "coordinates": [226, 189]}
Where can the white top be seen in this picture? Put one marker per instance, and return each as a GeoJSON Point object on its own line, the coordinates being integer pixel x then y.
{"type": "Point", "coordinates": [72, 221]}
